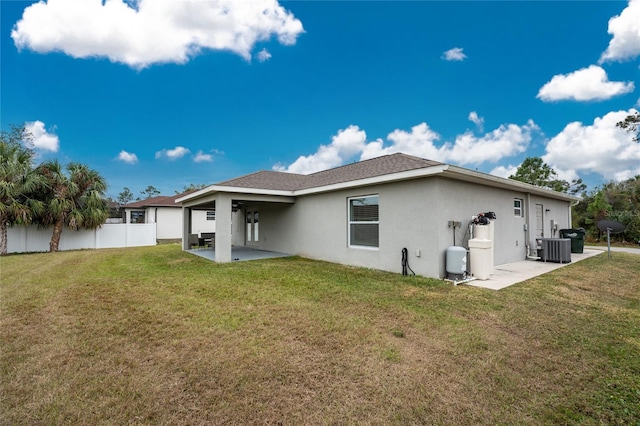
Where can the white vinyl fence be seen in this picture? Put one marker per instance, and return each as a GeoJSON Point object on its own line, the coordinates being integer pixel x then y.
{"type": "Point", "coordinates": [25, 239]}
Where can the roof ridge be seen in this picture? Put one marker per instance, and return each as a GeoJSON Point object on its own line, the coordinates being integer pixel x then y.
{"type": "Point", "coordinates": [350, 164]}
{"type": "Point", "coordinates": [258, 172]}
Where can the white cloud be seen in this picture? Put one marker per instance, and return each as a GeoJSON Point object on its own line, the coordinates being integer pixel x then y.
{"type": "Point", "coordinates": [625, 29]}
{"type": "Point", "coordinates": [478, 121]}
{"type": "Point", "coordinates": [42, 139]}
{"type": "Point", "coordinates": [201, 157]}
{"type": "Point", "coordinates": [454, 54]}
{"type": "Point", "coordinates": [127, 157]}
{"type": "Point", "coordinates": [586, 84]}
{"type": "Point", "coordinates": [505, 141]}
{"type": "Point", "coordinates": [145, 32]}
{"type": "Point", "coordinates": [600, 148]}
{"type": "Point", "coordinates": [344, 145]}
{"type": "Point", "coordinates": [173, 154]}
{"type": "Point", "coordinates": [504, 172]}
{"type": "Point", "coordinates": [263, 55]}
{"type": "Point", "coordinates": [419, 142]}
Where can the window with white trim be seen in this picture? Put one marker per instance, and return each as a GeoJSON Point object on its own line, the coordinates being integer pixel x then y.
{"type": "Point", "coordinates": [211, 215]}
{"type": "Point", "coordinates": [363, 221]}
{"type": "Point", "coordinates": [517, 207]}
{"type": "Point", "coordinates": [137, 216]}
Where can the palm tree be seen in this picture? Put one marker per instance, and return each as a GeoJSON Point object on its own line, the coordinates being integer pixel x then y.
{"type": "Point", "coordinates": [75, 200]}
{"type": "Point", "coordinates": [18, 183]}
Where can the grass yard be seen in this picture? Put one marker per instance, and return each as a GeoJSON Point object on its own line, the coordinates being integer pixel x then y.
{"type": "Point", "coordinates": [157, 336]}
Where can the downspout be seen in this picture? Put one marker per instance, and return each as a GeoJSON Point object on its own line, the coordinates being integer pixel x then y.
{"type": "Point", "coordinates": [571, 205]}
{"type": "Point", "coordinates": [527, 225]}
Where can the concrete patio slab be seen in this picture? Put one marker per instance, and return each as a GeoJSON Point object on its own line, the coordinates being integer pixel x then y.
{"type": "Point", "coordinates": [512, 273]}
{"type": "Point", "coordinates": [239, 253]}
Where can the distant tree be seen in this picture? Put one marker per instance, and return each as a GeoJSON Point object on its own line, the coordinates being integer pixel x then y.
{"type": "Point", "coordinates": [18, 182]}
{"type": "Point", "coordinates": [619, 201]}
{"type": "Point", "coordinates": [115, 208]}
{"type": "Point", "coordinates": [536, 172]}
{"type": "Point", "coordinates": [151, 191]}
{"type": "Point", "coordinates": [125, 197]}
{"type": "Point", "coordinates": [192, 187]}
{"type": "Point", "coordinates": [624, 201]}
{"type": "Point", "coordinates": [75, 200]}
{"type": "Point", "coordinates": [598, 208]}
{"type": "Point", "coordinates": [576, 186]}
{"type": "Point", "coordinates": [632, 125]}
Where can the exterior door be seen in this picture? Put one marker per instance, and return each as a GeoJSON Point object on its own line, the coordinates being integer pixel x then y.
{"type": "Point", "coordinates": [253, 232]}
{"type": "Point", "coordinates": [539, 221]}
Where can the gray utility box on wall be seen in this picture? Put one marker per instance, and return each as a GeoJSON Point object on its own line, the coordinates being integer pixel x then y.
{"type": "Point", "coordinates": [556, 250]}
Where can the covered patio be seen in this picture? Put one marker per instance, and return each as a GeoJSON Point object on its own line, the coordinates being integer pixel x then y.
{"type": "Point", "coordinates": [238, 235]}
{"type": "Point", "coordinates": [239, 253]}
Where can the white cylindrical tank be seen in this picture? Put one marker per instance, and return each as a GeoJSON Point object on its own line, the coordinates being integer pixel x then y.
{"type": "Point", "coordinates": [482, 232]}
{"type": "Point", "coordinates": [456, 260]}
{"type": "Point", "coordinates": [480, 253]}
{"type": "Point", "coordinates": [486, 232]}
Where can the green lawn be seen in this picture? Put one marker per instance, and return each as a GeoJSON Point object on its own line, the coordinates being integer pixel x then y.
{"type": "Point", "coordinates": [157, 336]}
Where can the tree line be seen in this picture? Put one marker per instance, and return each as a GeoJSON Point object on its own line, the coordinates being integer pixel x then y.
{"type": "Point", "coordinates": [73, 196]}
{"type": "Point", "coordinates": [48, 194]}
{"type": "Point", "coordinates": [126, 196]}
{"type": "Point", "coordinates": [618, 201]}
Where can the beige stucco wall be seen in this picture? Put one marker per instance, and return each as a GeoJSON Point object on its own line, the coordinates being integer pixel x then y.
{"type": "Point", "coordinates": [413, 214]}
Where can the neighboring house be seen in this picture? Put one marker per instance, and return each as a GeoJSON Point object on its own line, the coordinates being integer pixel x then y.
{"type": "Point", "coordinates": [167, 215]}
{"type": "Point", "coordinates": [365, 213]}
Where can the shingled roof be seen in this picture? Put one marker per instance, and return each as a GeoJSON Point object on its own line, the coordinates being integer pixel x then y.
{"type": "Point", "coordinates": [379, 166]}
{"type": "Point", "coordinates": [159, 201]}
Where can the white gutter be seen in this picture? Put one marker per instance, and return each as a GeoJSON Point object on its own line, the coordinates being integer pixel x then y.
{"type": "Point", "coordinates": [447, 170]}
{"type": "Point", "coordinates": [473, 176]}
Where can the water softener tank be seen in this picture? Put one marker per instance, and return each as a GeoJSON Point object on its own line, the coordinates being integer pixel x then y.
{"type": "Point", "coordinates": [456, 262]}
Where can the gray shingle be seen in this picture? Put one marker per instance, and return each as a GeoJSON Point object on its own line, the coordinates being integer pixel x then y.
{"type": "Point", "coordinates": [267, 179]}
{"type": "Point", "coordinates": [374, 167]}
{"type": "Point", "coordinates": [159, 201]}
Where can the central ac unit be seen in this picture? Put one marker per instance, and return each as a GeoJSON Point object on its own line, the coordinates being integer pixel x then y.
{"type": "Point", "coordinates": [556, 250]}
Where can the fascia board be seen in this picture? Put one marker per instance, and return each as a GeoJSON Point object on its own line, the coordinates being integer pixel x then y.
{"type": "Point", "coordinates": [198, 193]}
{"type": "Point", "coordinates": [487, 179]}
{"type": "Point", "coordinates": [210, 190]}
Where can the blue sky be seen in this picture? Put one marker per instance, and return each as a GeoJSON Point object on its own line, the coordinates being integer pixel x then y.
{"type": "Point", "coordinates": [169, 93]}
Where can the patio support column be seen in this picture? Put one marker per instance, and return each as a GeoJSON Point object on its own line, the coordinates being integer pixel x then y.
{"type": "Point", "coordinates": [223, 227]}
{"type": "Point", "coordinates": [186, 227]}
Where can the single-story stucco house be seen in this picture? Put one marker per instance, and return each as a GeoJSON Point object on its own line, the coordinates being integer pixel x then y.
{"type": "Point", "coordinates": [167, 215]}
{"type": "Point", "coordinates": [365, 213]}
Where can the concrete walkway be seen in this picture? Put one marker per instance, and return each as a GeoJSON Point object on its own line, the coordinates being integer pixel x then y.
{"type": "Point", "coordinates": [619, 249]}
{"type": "Point", "coordinates": [516, 272]}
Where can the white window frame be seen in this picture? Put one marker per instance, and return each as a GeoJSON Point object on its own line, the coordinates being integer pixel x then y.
{"type": "Point", "coordinates": [137, 214]}
{"type": "Point", "coordinates": [518, 211]}
{"type": "Point", "coordinates": [352, 222]}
